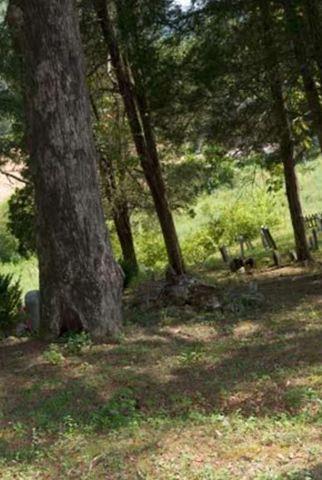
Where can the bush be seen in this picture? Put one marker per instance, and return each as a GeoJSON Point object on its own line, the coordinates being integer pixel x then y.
{"type": "Point", "coordinates": [244, 217]}
{"type": "Point", "coordinates": [10, 301]}
{"type": "Point", "coordinates": [77, 342]}
{"type": "Point", "coordinates": [151, 250]}
{"type": "Point", "coordinates": [231, 217]}
{"type": "Point", "coordinates": [233, 222]}
{"type": "Point", "coordinates": [196, 248]}
{"type": "Point", "coordinates": [53, 355]}
{"type": "Point", "coordinates": [8, 246]}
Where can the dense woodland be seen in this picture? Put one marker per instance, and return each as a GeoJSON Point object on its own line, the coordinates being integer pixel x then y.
{"type": "Point", "coordinates": [166, 220]}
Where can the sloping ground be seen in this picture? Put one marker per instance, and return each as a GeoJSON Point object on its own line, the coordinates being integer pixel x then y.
{"type": "Point", "coordinates": [184, 395]}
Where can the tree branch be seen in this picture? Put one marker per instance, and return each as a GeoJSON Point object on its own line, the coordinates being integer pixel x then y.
{"type": "Point", "coordinates": [14, 177]}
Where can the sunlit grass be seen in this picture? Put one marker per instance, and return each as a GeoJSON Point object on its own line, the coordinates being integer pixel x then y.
{"type": "Point", "coordinates": [26, 271]}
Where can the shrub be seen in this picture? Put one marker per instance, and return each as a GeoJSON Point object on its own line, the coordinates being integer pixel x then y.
{"type": "Point", "coordinates": [53, 355]}
{"type": "Point", "coordinates": [8, 246]}
{"type": "Point", "coordinates": [10, 301]}
{"type": "Point", "coordinates": [151, 250]}
{"type": "Point", "coordinates": [245, 216]}
{"type": "Point", "coordinates": [233, 222]}
{"type": "Point", "coordinates": [196, 248]}
{"type": "Point", "coordinates": [77, 342]}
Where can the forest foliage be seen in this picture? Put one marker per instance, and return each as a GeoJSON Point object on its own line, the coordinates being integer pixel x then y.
{"type": "Point", "coordinates": [203, 74]}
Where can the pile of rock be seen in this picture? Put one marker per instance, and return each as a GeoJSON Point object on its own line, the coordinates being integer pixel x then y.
{"type": "Point", "coordinates": [183, 290]}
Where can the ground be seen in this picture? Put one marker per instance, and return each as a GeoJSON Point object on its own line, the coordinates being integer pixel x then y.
{"type": "Point", "coordinates": [182, 395]}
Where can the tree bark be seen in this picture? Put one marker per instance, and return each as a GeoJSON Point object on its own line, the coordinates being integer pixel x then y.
{"type": "Point", "coordinates": [311, 92]}
{"type": "Point", "coordinates": [80, 283]}
{"type": "Point", "coordinates": [143, 137]}
{"type": "Point", "coordinates": [284, 134]}
{"type": "Point", "coordinates": [122, 223]}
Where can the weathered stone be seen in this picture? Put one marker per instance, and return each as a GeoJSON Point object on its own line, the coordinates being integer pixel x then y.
{"type": "Point", "coordinates": [32, 303]}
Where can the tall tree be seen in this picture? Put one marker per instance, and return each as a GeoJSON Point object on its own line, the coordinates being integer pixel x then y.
{"type": "Point", "coordinates": [283, 132]}
{"type": "Point", "coordinates": [296, 30]}
{"type": "Point", "coordinates": [80, 283]}
{"type": "Point", "coordinates": [137, 111]}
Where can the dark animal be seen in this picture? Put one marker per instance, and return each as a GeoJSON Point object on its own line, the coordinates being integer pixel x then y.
{"type": "Point", "coordinates": [237, 263]}
{"type": "Point", "coordinates": [249, 264]}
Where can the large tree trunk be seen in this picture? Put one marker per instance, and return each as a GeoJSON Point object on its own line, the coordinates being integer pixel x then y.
{"type": "Point", "coordinates": [297, 36]}
{"type": "Point", "coordinates": [143, 138]}
{"type": "Point", "coordinates": [283, 131]}
{"type": "Point", "coordinates": [80, 282]}
{"type": "Point", "coordinates": [314, 22]}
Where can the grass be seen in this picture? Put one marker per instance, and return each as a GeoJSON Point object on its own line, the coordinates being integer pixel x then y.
{"type": "Point", "coordinates": [310, 181]}
{"type": "Point", "coordinates": [193, 396]}
{"type": "Point", "coordinates": [26, 271]}
{"type": "Point", "coordinates": [184, 395]}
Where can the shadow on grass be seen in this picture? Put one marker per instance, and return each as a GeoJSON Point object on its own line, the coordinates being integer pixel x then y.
{"type": "Point", "coordinates": [251, 379]}
{"type": "Point", "coordinates": [313, 473]}
{"type": "Point", "coordinates": [163, 373]}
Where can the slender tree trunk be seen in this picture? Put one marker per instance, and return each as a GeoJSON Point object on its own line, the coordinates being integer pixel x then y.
{"type": "Point", "coordinates": [314, 22]}
{"type": "Point", "coordinates": [121, 216]}
{"type": "Point", "coordinates": [143, 138]}
{"type": "Point", "coordinates": [284, 133]}
{"type": "Point", "coordinates": [80, 282]}
{"type": "Point", "coordinates": [311, 92]}
{"type": "Point", "coordinates": [122, 223]}
{"type": "Point", "coordinates": [119, 203]}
